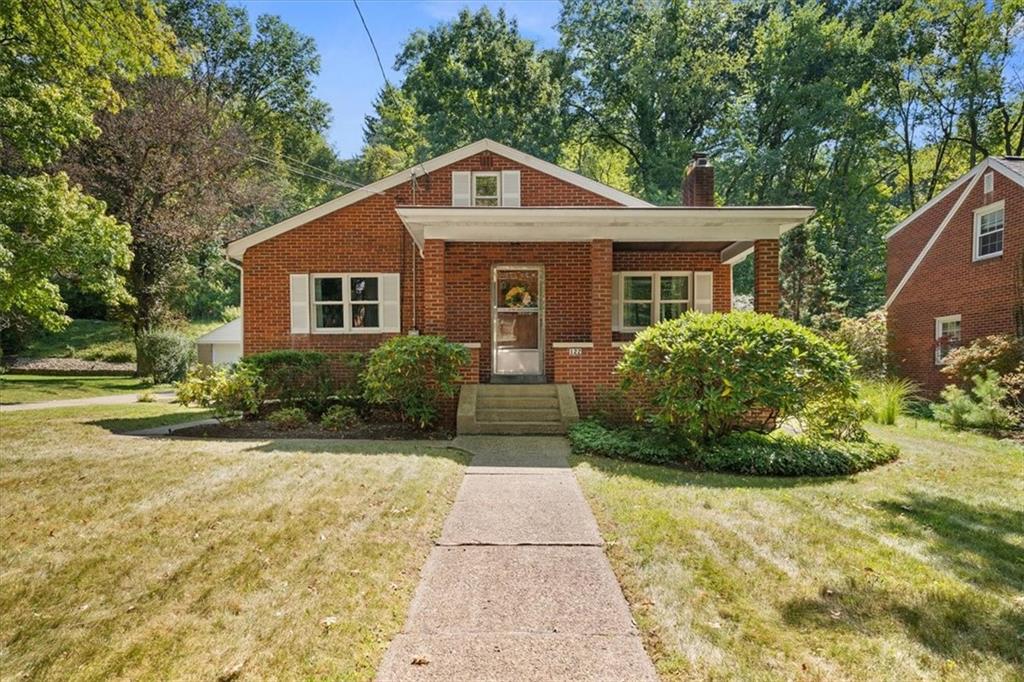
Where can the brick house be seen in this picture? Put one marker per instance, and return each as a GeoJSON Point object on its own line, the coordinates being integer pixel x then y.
{"type": "Point", "coordinates": [955, 270]}
{"type": "Point", "coordinates": [542, 273]}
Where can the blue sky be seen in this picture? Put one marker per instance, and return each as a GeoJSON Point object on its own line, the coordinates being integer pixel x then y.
{"type": "Point", "coordinates": [349, 76]}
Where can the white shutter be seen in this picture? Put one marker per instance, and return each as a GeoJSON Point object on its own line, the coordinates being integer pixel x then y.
{"type": "Point", "coordinates": [703, 296]}
{"type": "Point", "coordinates": [616, 301]}
{"type": "Point", "coordinates": [299, 298]}
{"type": "Point", "coordinates": [510, 188]}
{"type": "Point", "coordinates": [461, 188]}
{"type": "Point", "coordinates": [390, 303]}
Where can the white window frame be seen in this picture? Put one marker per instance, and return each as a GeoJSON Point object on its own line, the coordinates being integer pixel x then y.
{"type": "Point", "coordinates": [978, 214]}
{"type": "Point", "coordinates": [940, 356]}
{"type": "Point", "coordinates": [347, 303]}
{"type": "Point", "coordinates": [497, 188]}
{"type": "Point", "coordinates": [655, 299]}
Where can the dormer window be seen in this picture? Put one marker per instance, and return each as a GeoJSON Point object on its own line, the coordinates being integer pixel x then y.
{"type": "Point", "coordinates": [486, 189]}
{"type": "Point", "coordinates": [989, 224]}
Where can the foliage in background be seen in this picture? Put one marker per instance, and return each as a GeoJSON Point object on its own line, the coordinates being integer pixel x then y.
{"type": "Point", "coordinates": [997, 353]}
{"type": "Point", "coordinates": [165, 355]}
{"type": "Point", "coordinates": [981, 408]}
{"type": "Point", "coordinates": [59, 63]}
{"type": "Point", "coordinates": [865, 339]}
{"type": "Point", "coordinates": [1013, 382]}
{"type": "Point", "coordinates": [414, 374]}
{"type": "Point", "coordinates": [702, 375]}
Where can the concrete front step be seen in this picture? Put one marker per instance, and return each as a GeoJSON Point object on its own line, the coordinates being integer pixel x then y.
{"type": "Point", "coordinates": [516, 409]}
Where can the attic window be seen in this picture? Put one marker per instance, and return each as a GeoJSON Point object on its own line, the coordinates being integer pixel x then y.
{"type": "Point", "coordinates": [486, 189]}
{"type": "Point", "coordinates": [989, 224]}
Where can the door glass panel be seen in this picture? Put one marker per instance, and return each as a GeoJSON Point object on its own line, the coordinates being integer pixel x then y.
{"type": "Point", "coordinates": [518, 289]}
{"type": "Point", "coordinates": [517, 330]}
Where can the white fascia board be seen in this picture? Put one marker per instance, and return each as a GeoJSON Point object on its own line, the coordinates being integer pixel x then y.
{"type": "Point", "coordinates": [1010, 172]}
{"type": "Point", "coordinates": [237, 248]}
{"type": "Point", "coordinates": [934, 238]}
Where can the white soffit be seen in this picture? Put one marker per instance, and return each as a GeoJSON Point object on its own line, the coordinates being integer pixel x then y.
{"type": "Point", "coordinates": [236, 248]}
{"type": "Point", "coordinates": [651, 224]}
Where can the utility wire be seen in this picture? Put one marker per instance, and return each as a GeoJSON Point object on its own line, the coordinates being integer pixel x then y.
{"type": "Point", "coordinates": [372, 44]}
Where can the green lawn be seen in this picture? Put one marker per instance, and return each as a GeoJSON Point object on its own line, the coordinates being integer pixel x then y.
{"type": "Point", "coordinates": [912, 571]}
{"type": "Point", "coordinates": [135, 558]}
{"type": "Point", "coordinates": [31, 388]}
{"type": "Point", "coordinates": [98, 340]}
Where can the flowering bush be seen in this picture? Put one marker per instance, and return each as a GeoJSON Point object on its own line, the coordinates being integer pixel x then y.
{"type": "Point", "coordinates": [865, 339]}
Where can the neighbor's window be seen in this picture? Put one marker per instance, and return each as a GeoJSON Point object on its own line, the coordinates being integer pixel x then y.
{"type": "Point", "coordinates": [485, 189]}
{"type": "Point", "coordinates": [947, 336]}
{"type": "Point", "coordinates": [651, 297]}
{"type": "Point", "coordinates": [341, 298]}
{"type": "Point", "coordinates": [988, 231]}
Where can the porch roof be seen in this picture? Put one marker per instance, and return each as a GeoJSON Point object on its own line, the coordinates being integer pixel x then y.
{"type": "Point", "coordinates": [734, 224]}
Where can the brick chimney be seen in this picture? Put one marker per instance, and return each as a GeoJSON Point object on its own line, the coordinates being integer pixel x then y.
{"type": "Point", "coordinates": [699, 182]}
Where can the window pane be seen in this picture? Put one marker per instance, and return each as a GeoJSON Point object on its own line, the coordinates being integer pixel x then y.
{"type": "Point", "coordinates": [672, 310]}
{"type": "Point", "coordinates": [493, 201]}
{"type": "Point", "coordinates": [675, 289]}
{"type": "Point", "coordinates": [486, 186]}
{"type": "Point", "coordinates": [991, 222]}
{"type": "Point", "coordinates": [365, 315]}
{"type": "Point", "coordinates": [990, 243]}
{"type": "Point", "coordinates": [364, 289]}
{"type": "Point", "coordinates": [951, 330]}
{"type": "Point", "coordinates": [330, 316]}
{"type": "Point", "coordinates": [518, 288]}
{"type": "Point", "coordinates": [328, 289]}
{"type": "Point", "coordinates": [637, 289]}
{"type": "Point", "coordinates": [636, 314]}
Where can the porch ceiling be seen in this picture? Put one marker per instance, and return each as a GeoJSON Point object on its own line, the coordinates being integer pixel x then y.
{"type": "Point", "coordinates": [633, 225]}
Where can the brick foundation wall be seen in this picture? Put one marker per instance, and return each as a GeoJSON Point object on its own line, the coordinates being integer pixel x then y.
{"type": "Point", "coordinates": [948, 282]}
{"type": "Point", "coordinates": [590, 372]}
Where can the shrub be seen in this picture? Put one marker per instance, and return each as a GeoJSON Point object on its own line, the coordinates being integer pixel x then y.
{"type": "Point", "coordinates": [701, 375]}
{"type": "Point", "coordinates": [295, 377]}
{"type": "Point", "coordinates": [1014, 385]}
{"type": "Point", "coordinates": [983, 408]}
{"type": "Point", "coordinates": [1000, 354]}
{"type": "Point", "coordinates": [288, 419]}
{"type": "Point", "coordinates": [785, 455]}
{"type": "Point", "coordinates": [165, 355]}
{"type": "Point", "coordinates": [834, 417]}
{"type": "Point", "coordinates": [865, 339]}
{"type": "Point", "coordinates": [228, 390]}
{"type": "Point", "coordinates": [887, 399]}
{"type": "Point", "coordinates": [746, 453]}
{"type": "Point", "coordinates": [339, 418]}
{"type": "Point", "coordinates": [414, 373]}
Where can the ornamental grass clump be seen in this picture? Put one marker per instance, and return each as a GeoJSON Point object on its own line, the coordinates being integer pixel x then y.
{"type": "Point", "coordinates": [703, 377]}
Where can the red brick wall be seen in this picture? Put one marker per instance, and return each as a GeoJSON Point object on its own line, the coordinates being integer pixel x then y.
{"type": "Point", "coordinates": [590, 372]}
{"type": "Point", "coordinates": [767, 287]}
{"type": "Point", "coordinates": [949, 282]}
{"type": "Point", "coordinates": [368, 236]}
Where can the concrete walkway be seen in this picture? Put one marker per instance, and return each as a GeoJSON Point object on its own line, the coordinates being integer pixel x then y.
{"type": "Point", "coordinates": [117, 399]}
{"type": "Point", "coordinates": [518, 586]}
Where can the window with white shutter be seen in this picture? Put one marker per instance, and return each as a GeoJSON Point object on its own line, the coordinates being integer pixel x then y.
{"type": "Point", "coordinates": [355, 303]}
{"type": "Point", "coordinates": [299, 299]}
{"type": "Point", "coordinates": [640, 299]}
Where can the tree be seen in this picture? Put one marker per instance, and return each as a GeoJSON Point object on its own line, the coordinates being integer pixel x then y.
{"type": "Point", "coordinates": [179, 171]}
{"type": "Point", "coordinates": [471, 78]}
{"type": "Point", "coordinates": [58, 65]}
{"type": "Point", "coordinates": [808, 293]}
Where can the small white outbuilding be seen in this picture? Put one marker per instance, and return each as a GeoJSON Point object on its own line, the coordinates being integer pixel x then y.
{"type": "Point", "coordinates": [221, 346]}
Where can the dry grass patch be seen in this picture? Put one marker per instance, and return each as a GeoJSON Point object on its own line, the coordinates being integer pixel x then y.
{"type": "Point", "coordinates": [158, 559]}
{"type": "Point", "coordinates": [910, 571]}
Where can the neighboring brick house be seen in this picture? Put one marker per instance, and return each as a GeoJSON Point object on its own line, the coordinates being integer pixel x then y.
{"type": "Point", "coordinates": [541, 272]}
{"type": "Point", "coordinates": [956, 270]}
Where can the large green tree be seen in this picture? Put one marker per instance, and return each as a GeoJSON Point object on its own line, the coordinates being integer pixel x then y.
{"type": "Point", "coordinates": [470, 78]}
{"type": "Point", "coordinates": [59, 62]}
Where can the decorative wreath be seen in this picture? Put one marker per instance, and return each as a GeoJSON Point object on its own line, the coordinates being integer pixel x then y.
{"type": "Point", "coordinates": [518, 297]}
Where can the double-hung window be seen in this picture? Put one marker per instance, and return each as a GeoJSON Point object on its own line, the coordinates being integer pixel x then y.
{"type": "Point", "coordinates": [989, 228]}
{"type": "Point", "coordinates": [346, 303]}
{"type": "Point", "coordinates": [947, 336]}
{"type": "Point", "coordinates": [486, 189]}
{"type": "Point", "coordinates": [649, 297]}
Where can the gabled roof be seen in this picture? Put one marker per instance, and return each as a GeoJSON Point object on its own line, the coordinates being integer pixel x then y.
{"type": "Point", "coordinates": [237, 247]}
{"type": "Point", "coordinates": [1010, 166]}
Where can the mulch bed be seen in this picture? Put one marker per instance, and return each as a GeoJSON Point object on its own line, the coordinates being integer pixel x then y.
{"type": "Point", "coordinates": [262, 430]}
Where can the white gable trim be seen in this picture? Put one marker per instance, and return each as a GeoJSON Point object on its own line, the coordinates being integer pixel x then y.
{"type": "Point", "coordinates": [934, 238]}
{"type": "Point", "coordinates": [991, 162]}
{"type": "Point", "coordinates": [236, 248]}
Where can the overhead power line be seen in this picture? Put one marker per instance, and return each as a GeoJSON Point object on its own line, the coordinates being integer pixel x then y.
{"type": "Point", "coordinates": [372, 44]}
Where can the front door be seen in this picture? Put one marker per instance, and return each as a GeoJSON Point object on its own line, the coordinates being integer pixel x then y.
{"type": "Point", "coordinates": [518, 320]}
